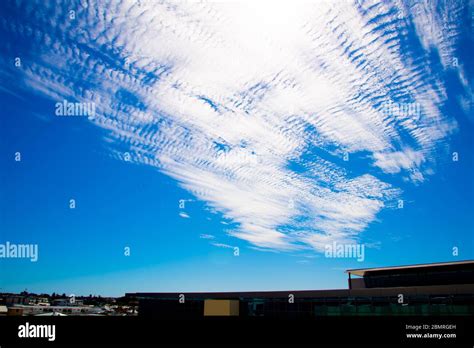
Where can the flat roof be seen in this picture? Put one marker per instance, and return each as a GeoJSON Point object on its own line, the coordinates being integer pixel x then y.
{"type": "Point", "coordinates": [313, 294]}
{"type": "Point", "coordinates": [362, 271]}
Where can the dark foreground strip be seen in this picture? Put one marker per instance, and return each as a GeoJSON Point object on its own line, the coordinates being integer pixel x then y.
{"type": "Point", "coordinates": [349, 331]}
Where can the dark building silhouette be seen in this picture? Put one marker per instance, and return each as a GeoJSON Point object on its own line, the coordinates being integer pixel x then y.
{"type": "Point", "coordinates": [445, 273]}
{"type": "Point", "coordinates": [429, 289]}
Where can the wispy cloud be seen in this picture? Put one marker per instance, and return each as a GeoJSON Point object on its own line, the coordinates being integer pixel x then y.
{"type": "Point", "coordinates": [222, 245]}
{"type": "Point", "coordinates": [184, 215]}
{"type": "Point", "coordinates": [206, 236]}
{"type": "Point", "coordinates": [252, 106]}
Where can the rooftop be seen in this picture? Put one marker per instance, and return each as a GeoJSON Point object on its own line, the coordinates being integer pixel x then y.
{"type": "Point", "coordinates": [335, 293]}
{"type": "Point", "coordinates": [362, 271]}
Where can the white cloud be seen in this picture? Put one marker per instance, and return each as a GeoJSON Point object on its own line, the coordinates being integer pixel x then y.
{"type": "Point", "coordinates": [225, 98]}
{"type": "Point", "coordinates": [184, 215]}
{"type": "Point", "coordinates": [394, 162]}
{"type": "Point", "coordinates": [222, 245]}
{"type": "Point", "coordinates": [206, 236]}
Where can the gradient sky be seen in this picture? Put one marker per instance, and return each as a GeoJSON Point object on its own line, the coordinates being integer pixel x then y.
{"type": "Point", "coordinates": [269, 119]}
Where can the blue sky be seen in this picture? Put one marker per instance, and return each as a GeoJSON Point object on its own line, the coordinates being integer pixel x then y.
{"type": "Point", "coordinates": [273, 122]}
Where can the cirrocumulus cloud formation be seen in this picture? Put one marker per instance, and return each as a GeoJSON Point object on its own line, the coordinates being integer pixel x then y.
{"type": "Point", "coordinates": [294, 120]}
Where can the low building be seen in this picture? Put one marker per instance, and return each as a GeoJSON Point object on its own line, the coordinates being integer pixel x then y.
{"type": "Point", "coordinates": [12, 299]}
{"type": "Point", "coordinates": [67, 302]}
{"type": "Point", "coordinates": [15, 311]}
{"type": "Point", "coordinates": [68, 310]}
{"type": "Point", "coordinates": [442, 288]}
